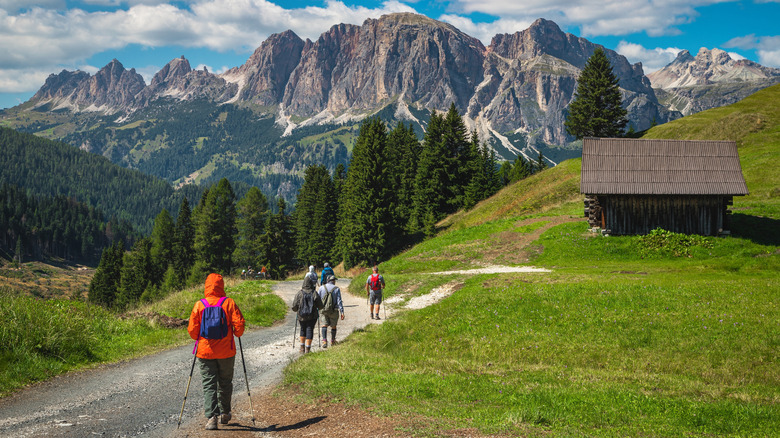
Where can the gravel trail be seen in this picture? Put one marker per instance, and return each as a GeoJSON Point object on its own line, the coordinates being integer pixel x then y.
{"type": "Point", "coordinates": [143, 397]}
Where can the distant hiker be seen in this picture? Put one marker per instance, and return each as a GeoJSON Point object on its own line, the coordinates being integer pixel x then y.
{"type": "Point", "coordinates": [310, 282]}
{"type": "Point", "coordinates": [374, 285]}
{"type": "Point", "coordinates": [332, 307]}
{"type": "Point", "coordinates": [264, 273]}
{"type": "Point", "coordinates": [243, 273]}
{"type": "Point", "coordinates": [326, 272]}
{"type": "Point", "coordinates": [307, 304]}
{"type": "Point", "coordinates": [213, 322]}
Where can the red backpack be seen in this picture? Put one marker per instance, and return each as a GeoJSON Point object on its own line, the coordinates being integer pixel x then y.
{"type": "Point", "coordinates": [376, 283]}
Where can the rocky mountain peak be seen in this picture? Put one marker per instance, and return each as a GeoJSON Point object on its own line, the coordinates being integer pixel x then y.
{"type": "Point", "coordinates": [177, 68]}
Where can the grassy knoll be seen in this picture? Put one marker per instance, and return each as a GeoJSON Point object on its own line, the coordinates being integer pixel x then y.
{"type": "Point", "coordinates": [666, 335]}
{"type": "Point", "coordinates": [42, 338]}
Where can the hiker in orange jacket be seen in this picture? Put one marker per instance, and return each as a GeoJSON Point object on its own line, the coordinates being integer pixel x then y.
{"type": "Point", "coordinates": [216, 357]}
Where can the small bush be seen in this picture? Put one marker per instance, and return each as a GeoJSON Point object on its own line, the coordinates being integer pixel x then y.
{"type": "Point", "coordinates": [663, 242]}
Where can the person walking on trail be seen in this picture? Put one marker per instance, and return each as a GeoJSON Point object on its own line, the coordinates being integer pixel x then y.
{"type": "Point", "coordinates": [310, 282]}
{"type": "Point", "coordinates": [213, 322]}
{"type": "Point", "coordinates": [374, 285]}
{"type": "Point", "coordinates": [326, 272]}
{"type": "Point", "coordinates": [307, 304]}
{"type": "Point", "coordinates": [332, 309]}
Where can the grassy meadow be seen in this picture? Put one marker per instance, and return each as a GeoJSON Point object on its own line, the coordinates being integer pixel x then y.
{"type": "Point", "coordinates": [49, 337]}
{"type": "Point", "coordinates": [659, 335]}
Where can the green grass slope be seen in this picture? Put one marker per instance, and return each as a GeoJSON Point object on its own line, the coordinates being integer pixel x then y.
{"type": "Point", "coordinates": [754, 123]}
{"type": "Point", "coordinates": [655, 336]}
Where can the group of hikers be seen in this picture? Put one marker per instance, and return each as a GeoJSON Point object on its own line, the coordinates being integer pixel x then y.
{"type": "Point", "coordinates": [216, 319]}
{"type": "Point", "coordinates": [251, 274]}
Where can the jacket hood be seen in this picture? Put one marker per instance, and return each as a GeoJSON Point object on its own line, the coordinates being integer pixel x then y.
{"type": "Point", "coordinates": [215, 286]}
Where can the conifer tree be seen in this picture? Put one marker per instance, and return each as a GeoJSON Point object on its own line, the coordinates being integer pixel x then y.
{"type": "Point", "coordinates": [251, 217]}
{"type": "Point", "coordinates": [278, 242]}
{"type": "Point", "coordinates": [596, 110]}
{"type": "Point", "coordinates": [135, 274]}
{"type": "Point", "coordinates": [403, 152]}
{"type": "Point", "coordinates": [163, 239]}
{"type": "Point", "coordinates": [184, 240]}
{"type": "Point", "coordinates": [105, 282]}
{"type": "Point", "coordinates": [458, 159]}
{"type": "Point", "coordinates": [431, 181]}
{"type": "Point", "coordinates": [215, 229]}
{"type": "Point", "coordinates": [365, 213]}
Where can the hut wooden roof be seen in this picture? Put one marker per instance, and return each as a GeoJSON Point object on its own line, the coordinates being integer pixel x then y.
{"type": "Point", "coordinates": [660, 167]}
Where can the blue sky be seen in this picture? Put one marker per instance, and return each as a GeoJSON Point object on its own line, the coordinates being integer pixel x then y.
{"type": "Point", "coordinates": [41, 37]}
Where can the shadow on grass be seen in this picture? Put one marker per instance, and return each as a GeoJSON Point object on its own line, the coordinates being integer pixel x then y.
{"type": "Point", "coordinates": [760, 230]}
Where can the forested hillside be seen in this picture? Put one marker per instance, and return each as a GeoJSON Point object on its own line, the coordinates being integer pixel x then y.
{"type": "Point", "coordinates": [49, 169]}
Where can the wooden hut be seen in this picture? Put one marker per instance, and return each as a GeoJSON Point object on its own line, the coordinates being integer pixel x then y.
{"type": "Point", "coordinates": [634, 186]}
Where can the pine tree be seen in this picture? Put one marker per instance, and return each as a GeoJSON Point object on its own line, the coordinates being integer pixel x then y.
{"type": "Point", "coordinates": [103, 287]}
{"type": "Point", "coordinates": [365, 213]}
{"type": "Point", "coordinates": [431, 181]}
{"type": "Point", "coordinates": [135, 275]}
{"type": "Point", "coordinates": [278, 243]}
{"type": "Point", "coordinates": [251, 217]}
{"type": "Point", "coordinates": [215, 229]}
{"type": "Point", "coordinates": [184, 239]}
{"type": "Point", "coordinates": [403, 152]}
{"type": "Point", "coordinates": [596, 110]}
{"type": "Point", "coordinates": [163, 239]}
{"type": "Point", "coordinates": [458, 163]}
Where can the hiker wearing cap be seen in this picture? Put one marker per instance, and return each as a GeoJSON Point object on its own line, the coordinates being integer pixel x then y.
{"type": "Point", "coordinates": [310, 282]}
{"type": "Point", "coordinates": [332, 309]}
{"type": "Point", "coordinates": [374, 285]}
{"type": "Point", "coordinates": [326, 272]}
{"type": "Point", "coordinates": [307, 304]}
{"type": "Point", "coordinates": [213, 322]}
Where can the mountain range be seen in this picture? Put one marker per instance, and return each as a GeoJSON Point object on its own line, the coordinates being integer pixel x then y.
{"type": "Point", "coordinates": [297, 102]}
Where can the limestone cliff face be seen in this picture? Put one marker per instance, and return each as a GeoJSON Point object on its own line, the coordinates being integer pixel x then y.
{"type": "Point", "coordinates": [522, 82]}
{"type": "Point", "coordinates": [710, 79]}
{"type": "Point", "coordinates": [401, 56]}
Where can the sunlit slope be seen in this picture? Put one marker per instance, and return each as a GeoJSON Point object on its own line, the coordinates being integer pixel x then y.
{"type": "Point", "coordinates": [754, 123]}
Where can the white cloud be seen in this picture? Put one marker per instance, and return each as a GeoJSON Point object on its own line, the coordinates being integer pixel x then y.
{"type": "Point", "coordinates": [651, 59]}
{"type": "Point", "coordinates": [767, 48]}
{"type": "Point", "coordinates": [44, 39]}
{"type": "Point", "coordinates": [485, 31]}
{"type": "Point", "coordinates": [595, 17]}
{"type": "Point", "coordinates": [14, 81]}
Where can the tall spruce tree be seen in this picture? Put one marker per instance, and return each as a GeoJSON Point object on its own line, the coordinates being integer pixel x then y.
{"type": "Point", "coordinates": [316, 217]}
{"type": "Point", "coordinates": [596, 110]}
{"type": "Point", "coordinates": [215, 230]}
{"type": "Point", "coordinates": [163, 239]}
{"type": "Point", "coordinates": [183, 247]}
{"type": "Point", "coordinates": [403, 151]}
{"type": "Point", "coordinates": [278, 243]}
{"type": "Point", "coordinates": [458, 159]}
{"type": "Point", "coordinates": [105, 283]}
{"type": "Point", "coordinates": [136, 274]}
{"type": "Point", "coordinates": [431, 181]}
{"type": "Point", "coordinates": [251, 217]}
{"type": "Point", "coordinates": [365, 213]}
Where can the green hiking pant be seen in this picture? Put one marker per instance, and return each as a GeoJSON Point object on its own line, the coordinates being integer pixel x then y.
{"type": "Point", "coordinates": [217, 376]}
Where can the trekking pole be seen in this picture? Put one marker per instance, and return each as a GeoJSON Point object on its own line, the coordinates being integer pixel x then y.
{"type": "Point", "coordinates": [295, 330]}
{"type": "Point", "coordinates": [317, 327]}
{"type": "Point", "coordinates": [194, 353]}
{"type": "Point", "coordinates": [251, 408]}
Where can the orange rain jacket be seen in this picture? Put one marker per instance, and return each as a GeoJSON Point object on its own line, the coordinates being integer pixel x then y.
{"type": "Point", "coordinates": [216, 348]}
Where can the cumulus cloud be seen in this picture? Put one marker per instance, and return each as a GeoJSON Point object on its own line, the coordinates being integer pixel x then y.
{"type": "Point", "coordinates": [595, 17]}
{"type": "Point", "coordinates": [43, 38]}
{"type": "Point", "coordinates": [767, 48]}
{"type": "Point", "coordinates": [651, 59]}
{"type": "Point", "coordinates": [485, 31]}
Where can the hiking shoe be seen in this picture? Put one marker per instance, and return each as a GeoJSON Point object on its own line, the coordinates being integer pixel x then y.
{"type": "Point", "coordinates": [302, 350]}
{"type": "Point", "coordinates": [308, 349]}
{"type": "Point", "coordinates": [325, 344]}
{"type": "Point", "coordinates": [372, 316]}
{"type": "Point", "coordinates": [212, 423]}
{"type": "Point", "coordinates": [377, 316]}
{"type": "Point", "coordinates": [333, 342]}
{"type": "Point", "coordinates": [225, 418]}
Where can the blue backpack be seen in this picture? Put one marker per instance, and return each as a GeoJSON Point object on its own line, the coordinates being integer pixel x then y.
{"type": "Point", "coordinates": [213, 323]}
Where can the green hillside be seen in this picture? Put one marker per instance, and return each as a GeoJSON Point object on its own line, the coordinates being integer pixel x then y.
{"type": "Point", "coordinates": [654, 336]}
{"type": "Point", "coordinates": [754, 123]}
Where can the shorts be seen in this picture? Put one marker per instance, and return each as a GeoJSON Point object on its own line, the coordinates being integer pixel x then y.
{"type": "Point", "coordinates": [376, 297]}
{"type": "Point", "coordinates": [330, 319]}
